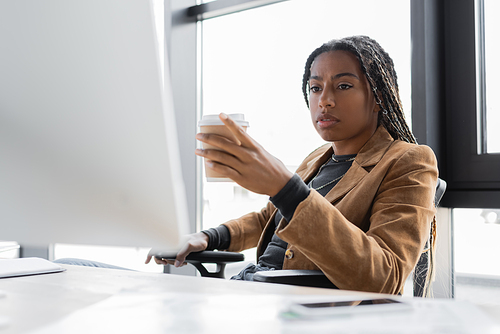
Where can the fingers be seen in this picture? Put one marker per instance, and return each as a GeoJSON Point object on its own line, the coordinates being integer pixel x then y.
{"type": "Point", "coordinates": [219, 143]}
{"type": "Point", "coordinates": [241, 138]}
{"type": "Point", "coordinates": [157, 260]}
{"type": "Point", "coordinates": [230, 172]}
{"type": "Point", "coordinates": [181, 256]}
{"type": "Point", "coordinates": [167, 262]}
{"type": "Point", "coordinates": [219, 160]}
{"type": "Point", "coordinates": [196, 242]}
{"type": "Point", "coordinates": [237, 130]}
{"type": "Point", "coordinates": [161, 261]}
{"type": "Point", "coordinates": [226, 151]}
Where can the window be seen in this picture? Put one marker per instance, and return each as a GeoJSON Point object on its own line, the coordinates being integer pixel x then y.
{"type": "Point", "coordinates": [472, 174]}
{"type": "Point", "coordinates": [252, 63]}
{"type": "Point", "coordinates": [488, 71]}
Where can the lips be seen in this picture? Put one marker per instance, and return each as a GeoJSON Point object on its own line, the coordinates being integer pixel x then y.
{"type": "Point", "coordinates": [325, 120]}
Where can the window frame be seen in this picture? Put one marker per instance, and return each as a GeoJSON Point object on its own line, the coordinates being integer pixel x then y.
{"type": "Point", "coordinates": [445, 116]}
{"type": "Point", "coordinates": [223, 7]}
{"type": "Point", "coordinates": [473, 178]}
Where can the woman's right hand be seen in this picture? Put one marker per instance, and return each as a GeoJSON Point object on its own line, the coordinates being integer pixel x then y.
{"type": "Point", "coordinates": [196, 242]}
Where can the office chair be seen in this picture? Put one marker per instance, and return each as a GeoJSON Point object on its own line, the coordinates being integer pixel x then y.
{"type": "Point", "coordinates": [310, 278]}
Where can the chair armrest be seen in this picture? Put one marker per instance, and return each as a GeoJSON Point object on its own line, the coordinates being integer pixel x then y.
{"type": "Point", "coordinates": [204, 256]}
{"type": "Point", "coordinates": [311, 278]}
{"type": "Point", "coordinates": [197, 259]}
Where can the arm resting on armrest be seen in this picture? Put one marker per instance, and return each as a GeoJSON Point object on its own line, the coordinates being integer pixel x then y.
{"type": "Point", "coordinates": [198, 258]}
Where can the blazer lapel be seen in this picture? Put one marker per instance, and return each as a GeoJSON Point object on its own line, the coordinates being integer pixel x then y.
{"type": "Point", "coordinates": [353, 176]}
{"type": "Point", "coordinates": [322, 155]}
{"type": "Point", "coordinates": [369, 155]}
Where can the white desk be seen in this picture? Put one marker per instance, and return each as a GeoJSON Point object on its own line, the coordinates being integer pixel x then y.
{"type": "Point", "coordinates": [93, 300]}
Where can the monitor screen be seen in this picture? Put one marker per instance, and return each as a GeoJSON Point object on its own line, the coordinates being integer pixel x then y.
{"type": "Point", "coordinates": [88, 145]}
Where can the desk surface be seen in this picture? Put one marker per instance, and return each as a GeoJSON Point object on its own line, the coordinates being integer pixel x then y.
{"type": "Point", "coordinates": [94, 300]}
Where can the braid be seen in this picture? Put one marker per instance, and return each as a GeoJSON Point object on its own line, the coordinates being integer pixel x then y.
{"type": "Point", "coordinates": [378, 68]}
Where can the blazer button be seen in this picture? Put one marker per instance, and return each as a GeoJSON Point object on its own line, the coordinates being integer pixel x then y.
{"type": "Point", "coordinates": [289, 254]}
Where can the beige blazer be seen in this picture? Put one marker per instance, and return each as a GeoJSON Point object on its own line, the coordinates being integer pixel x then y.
{"type": "Point", "coordinates": [368, 232]}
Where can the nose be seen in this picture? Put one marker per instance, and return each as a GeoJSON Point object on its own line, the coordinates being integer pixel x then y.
{"type": "Point", "coordinates": [326, 99]}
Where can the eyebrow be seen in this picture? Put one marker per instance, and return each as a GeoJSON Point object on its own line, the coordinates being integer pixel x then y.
{"type": "Point", "coordinates": [336, 76]}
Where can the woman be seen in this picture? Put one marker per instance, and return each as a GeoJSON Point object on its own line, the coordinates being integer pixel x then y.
{"type": "Point", "coordinates": [358, 208]}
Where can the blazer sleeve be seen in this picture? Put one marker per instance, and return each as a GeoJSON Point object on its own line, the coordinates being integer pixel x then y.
{"type": "Point", "coordinates": [246, 230]}
{"type": "Point", "coordinates": [381, 259]}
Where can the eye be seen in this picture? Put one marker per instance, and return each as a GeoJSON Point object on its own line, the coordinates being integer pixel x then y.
{"type": "Point", "coordinates": [344, 86]}
{"type": "Point", "coordinates": [314, 89]}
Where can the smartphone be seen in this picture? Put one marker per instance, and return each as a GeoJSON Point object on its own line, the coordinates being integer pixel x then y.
{"type": "Point", "coordinates": [343, 307]}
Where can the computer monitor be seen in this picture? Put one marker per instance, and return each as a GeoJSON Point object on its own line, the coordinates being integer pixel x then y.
{"type": "Point", "coordinates": [88, 144]}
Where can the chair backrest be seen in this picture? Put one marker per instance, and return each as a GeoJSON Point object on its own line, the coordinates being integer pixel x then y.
{"type": "Point", "coordinates": [422, 268]}
{"type": "Point", "coordinates": [440, 189]}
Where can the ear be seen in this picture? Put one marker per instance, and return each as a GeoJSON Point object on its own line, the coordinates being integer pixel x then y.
{"type": "Point", "coordinates": [377, 106]}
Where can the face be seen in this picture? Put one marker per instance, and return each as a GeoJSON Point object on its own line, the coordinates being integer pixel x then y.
{"type": "Point", "coordinates": [343, 108]}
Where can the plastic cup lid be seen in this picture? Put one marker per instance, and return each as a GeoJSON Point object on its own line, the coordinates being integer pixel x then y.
{"type": "Point", "coordinates": [214, 120]}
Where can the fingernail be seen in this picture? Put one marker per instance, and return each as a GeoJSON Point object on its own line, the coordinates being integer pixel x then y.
{"type": "Point", "coordinates": [222, 115]}
{"type": "Point", "coordinates": [177, 264]}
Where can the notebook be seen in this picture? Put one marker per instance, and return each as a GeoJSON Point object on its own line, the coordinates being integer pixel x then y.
{"type": "Point", "coordinates": [27, 266]}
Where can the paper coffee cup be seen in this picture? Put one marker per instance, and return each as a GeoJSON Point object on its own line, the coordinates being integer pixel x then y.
{"type": "Point", "coordinates": [213, 124]}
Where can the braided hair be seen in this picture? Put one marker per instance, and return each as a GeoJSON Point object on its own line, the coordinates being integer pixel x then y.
{"type": "Point", "coordinates": [378, 68]}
